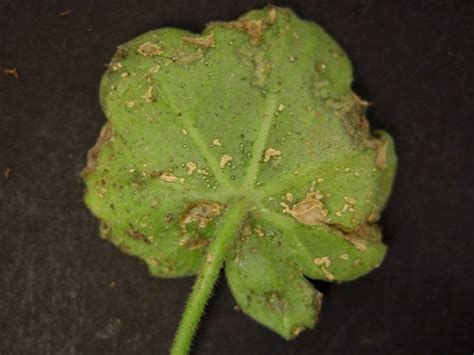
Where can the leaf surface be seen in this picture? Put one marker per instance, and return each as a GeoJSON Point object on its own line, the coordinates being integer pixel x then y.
{"type": "Point", "coordinates": [256, 113]}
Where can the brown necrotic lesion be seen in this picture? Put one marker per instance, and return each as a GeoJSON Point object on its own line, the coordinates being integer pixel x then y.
{"type": "Point", "coordinates": [201, 212]}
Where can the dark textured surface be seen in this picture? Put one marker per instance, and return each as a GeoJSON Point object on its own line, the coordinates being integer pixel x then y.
{"type": "Point", "coordinates": [413, 61]}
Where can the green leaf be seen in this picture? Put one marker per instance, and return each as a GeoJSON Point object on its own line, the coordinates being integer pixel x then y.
{"type": "Point", "coordinates": [245, 145]}
{"type": "Point", "coordinates": [270, 290]}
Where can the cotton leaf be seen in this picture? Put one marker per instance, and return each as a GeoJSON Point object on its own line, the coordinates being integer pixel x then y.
{"type": "Point", "coordinates": [243, 146]}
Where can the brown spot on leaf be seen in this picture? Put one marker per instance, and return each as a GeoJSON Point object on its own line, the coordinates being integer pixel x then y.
{"type": "Point", "coordinates": [272, 15]}
{"type": "Point", "coordinates": [6, 173]}
{"type": "Point", "coordinates": [149, 95]}
{"type": "Point", "coordinates": [193, 243]}
{"type": "Point", "coordinates": [139, 236]}
{"type": "Point", "coordinates": [106, 135]}
{"type": "Point", "coordinates": [191, 167]}
{"type": "Point", "coordinates": [324, 260]}
{"type": "Point", "coordinates": [344, 256]}
{"type": "Point", "coordinates": [202, 212]}
{"type": "Point", "coordinates": [381, 157]}
{"type": "Point", "coordinates": [254, 56]}
{"type": "Point", "coordinates": [167, 176]}
{"type": "Point", "coordinates": [297, 330]}
{"type": "Point", "coordinates": [271, 154]}
{"type": "Point", "coordinates": [204, 41]}
{"type": "Point", "coordinates": [329, 276]}
{"type": "Point", "coordinates": [310, 210]}
{"type": "Point", "coordinates": [105, 231]}
{"type": "Point", "coordinates": [253, 28]}
{"type": "Point", "coordinates": [365, 233]}
{"type": "Point", "coordinates": [149, 49]}
{"type": "Point", "coordinates": [224, 160]}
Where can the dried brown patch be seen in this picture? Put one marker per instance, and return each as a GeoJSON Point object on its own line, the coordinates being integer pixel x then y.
{"type": "Point", "coordinates": [194, 243]}
{"type": "Point", "coordinates": [204, 41]}
{"type": "Point", "coordinates": [309, 211]}
{"type": "Point", "coordinates": [271, 154]}
{"type": "Point", "coordinates": [192, 167]}
{"type": "Point", "coordinates": [254, 56]}
{"type": "Point", "coordinates": [329, 276]}
{"type": "Point", "coordinates": [149, 49]}
{"type": "Point", "coordinates": [224, 160]}
{"type": "Point", "coordinates": [168, 177]}
{"type": "Point", "coordinates": [188, 58]}
{"type": "Point", "coordinates": [324, 260]}
{"type": "Point", "coordinates": [202, 212]}
{"type": "Point", "coordinates": [106, 135]}
{"type": "Point", "coordinates": [139, 236]}
{"type": "Point", "coordinates": [253, 28]}
{"type": "Point", "coordinates": [272, 15]}
{"type": "Point", "coordinates": [361, 236]}
{"type": "Point", "coordinates": [381, 157]}
{"type": "Point", "coordinates": [105, 231]}
{"type": "Point", "coordinates": [149, 95]}
{"type": "Point", "coordinates": [297, 330]}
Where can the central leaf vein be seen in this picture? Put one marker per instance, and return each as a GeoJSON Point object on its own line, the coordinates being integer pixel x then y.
{"type": "Point", "coordinates": [265, 128]}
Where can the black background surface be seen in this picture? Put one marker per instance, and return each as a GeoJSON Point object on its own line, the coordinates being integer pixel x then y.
{"type": "Point", "coordinates": [413, 59]}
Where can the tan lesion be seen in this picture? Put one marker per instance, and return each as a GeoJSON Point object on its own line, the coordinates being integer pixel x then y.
{"type": "Point", "coordinates": [149, 49]}
{"type": "Point", "coordinates": [193, 243]}
{"type": "Point", "coordinates": [271, 154]}
{"type": "Point", "coordinates": [310, 210]}
{"type": "Point", "coordinates": [254, 28]}
{"type": "Point", "coordinates": [200, 212]}
{"type": "Point", "coordinates": [106, 135]}
{"type": "Point", "coordinates": [203, 41]}
{"type": "Point", "coordinates": [365, 233]}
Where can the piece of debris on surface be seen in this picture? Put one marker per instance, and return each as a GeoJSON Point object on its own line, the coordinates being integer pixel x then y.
{"type": "Point", "coordinates": [11, 72]}
{"type": "Point", "coordinates": [65, 13]}
{"type": "Point", "coordinates": [253, 28]}
{"type": "Point", "coordinates": [7, 172]}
